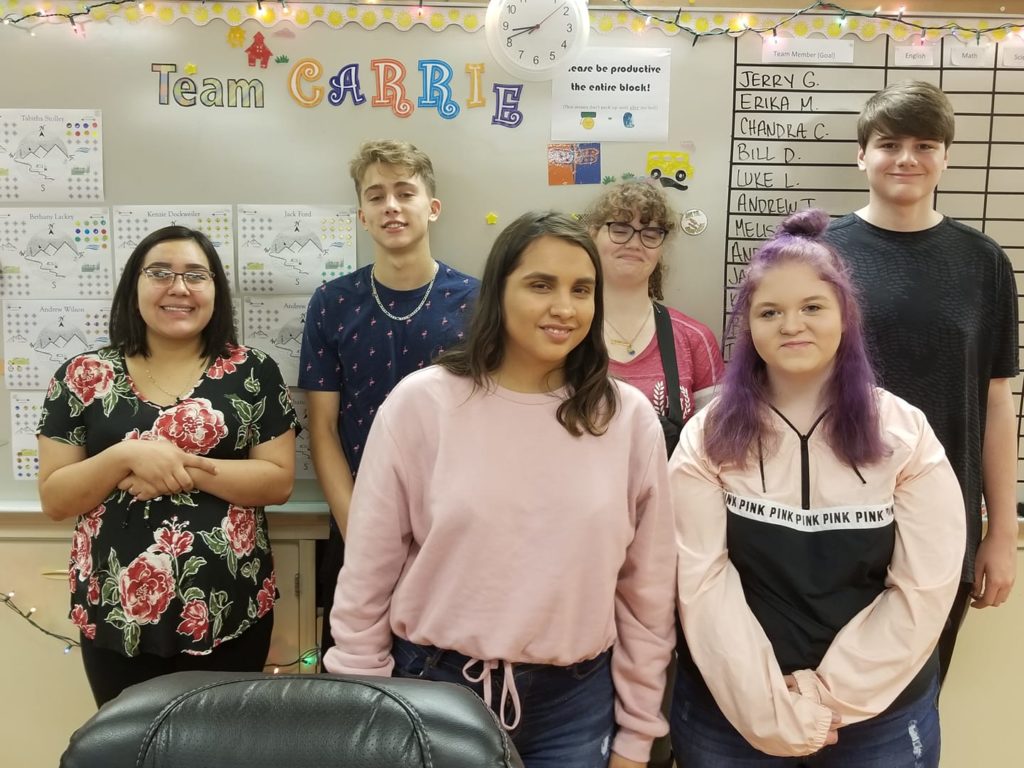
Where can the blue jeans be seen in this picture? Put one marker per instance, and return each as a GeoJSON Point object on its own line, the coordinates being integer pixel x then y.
{"type": "Point", "coordinates": [567, 713]}
{"type": "Point", "coordinates": [907, 737]}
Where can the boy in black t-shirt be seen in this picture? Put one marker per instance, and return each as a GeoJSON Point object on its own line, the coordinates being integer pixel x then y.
{"type": "Point", "coordinates": [940, 312]}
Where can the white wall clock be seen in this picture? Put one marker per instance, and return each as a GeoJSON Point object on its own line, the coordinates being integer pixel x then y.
{"type": "Point", "coordinates": [537, 39]}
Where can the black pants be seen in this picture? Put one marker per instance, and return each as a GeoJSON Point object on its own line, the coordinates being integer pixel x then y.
{"type": "Point", "coordinates": [947, 640]}
{"type": "Point", "coordinates": [331, 558]}
{"type": "Point", "coordinates": [109, 672]}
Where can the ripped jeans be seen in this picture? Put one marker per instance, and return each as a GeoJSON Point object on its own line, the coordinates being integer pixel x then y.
{"type": "Point", "coordinates": [559, 717]}
{"type": "Point", "coordinates": [907, 737]}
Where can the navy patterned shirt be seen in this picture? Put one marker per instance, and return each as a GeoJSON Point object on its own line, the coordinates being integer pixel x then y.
{"type": "Point", "coordinates": [351, 346]}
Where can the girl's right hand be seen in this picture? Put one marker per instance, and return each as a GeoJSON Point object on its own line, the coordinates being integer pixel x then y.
{"type": "Point", "coordinates": [833, 730]}
{"type": "Point", "coordinates": [163, 465]}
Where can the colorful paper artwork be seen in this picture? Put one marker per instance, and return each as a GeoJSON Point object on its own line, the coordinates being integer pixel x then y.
{"type": "Point", "coordinates": [26, 410]}
{"type": "Point", "coordinates": [304, 469]}
{"type": "Point", "coordinates": [671, 169]}
{"type": "Point", "coordinates": [134, 222]}
{"type": "Point", "coordinates": [51, 155]}
{"type": "Point", "coordinates": [574, 164]}
{"type": "Point", "coordinates": [51, 252]}
{"type": "Point", "coordinates": [258, 52]}
{"type": "Point", "coordinates": [294, 248]}
{"type": "Point", "coordinates": [40, 334]}
{"type": "Point", "coordinates": [236, 37]}
{"type": "Point", "coordinates": [274, 325]}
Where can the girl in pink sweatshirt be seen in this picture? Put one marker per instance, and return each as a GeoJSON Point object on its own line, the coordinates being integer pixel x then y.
{"type": "Point", "coordinates": [821, 533]}
{"type": "Point", "coordinates": [510, 528]}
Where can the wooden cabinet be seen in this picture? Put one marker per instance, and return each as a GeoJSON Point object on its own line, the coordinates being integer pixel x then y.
{"type": "Point", "coordinates": [45, 693]}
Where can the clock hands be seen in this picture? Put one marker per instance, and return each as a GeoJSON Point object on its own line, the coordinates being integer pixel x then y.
{"type": "Point", "coordinates": [533, 28]}
{"type": "Point", "coordinates": [517, 31]}
{"type": "Point", "coordinates": [549, 15]}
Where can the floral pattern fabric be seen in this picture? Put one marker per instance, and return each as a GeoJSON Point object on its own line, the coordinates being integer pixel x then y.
{"type": "Point", "coordinates": [187, 572]}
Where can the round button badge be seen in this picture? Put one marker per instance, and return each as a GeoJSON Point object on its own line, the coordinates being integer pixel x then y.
{"type": "Point", "coordinates": [693, 222]}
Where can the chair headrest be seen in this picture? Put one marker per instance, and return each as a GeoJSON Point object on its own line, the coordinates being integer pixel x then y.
{"type": "Point", "coordinates": [252, 720]}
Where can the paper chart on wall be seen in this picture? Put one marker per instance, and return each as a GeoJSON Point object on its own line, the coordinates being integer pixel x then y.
{"type": "Point", "coordinates": [274, 325]}
{"type": "Point", "coordinates": [26, 410]}
{"type": "Point", "coordinates": [133, 222]}
{"type": "Point", "coordinates": [39, 335]}
{"type": "Point", "coordinates": [59, 252]}
{"type": "Point", "coordinates": [51, 155]}
{"type": "Point", "coordinates": [303, 452]}
{"type": "Point", "coordinates": [294, 248]}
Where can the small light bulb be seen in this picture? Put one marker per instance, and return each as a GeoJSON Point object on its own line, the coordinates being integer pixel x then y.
{"type": "Point", "coordinates": [67, 649]}
{"type": "Point", "coordinates": [276, 670]}
{"type": "Point", "coordinates": [10, 595]}
{"type": "Point", "coordinates": [32, 609]}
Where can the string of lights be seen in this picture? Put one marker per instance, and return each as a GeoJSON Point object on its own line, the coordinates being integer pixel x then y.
{"type": "Point", "coordinates": [833, 9]}
{"type": "Point", "coordinates": [8, 600]}
{"type": "Point", "coordinates": [74, 17]}
{"type": "Point", "coordinates": [71, 16]}
{"type": "Point", "coordinates": [308, 657]}
{"type": "Point", "coordinates": [673, 18]}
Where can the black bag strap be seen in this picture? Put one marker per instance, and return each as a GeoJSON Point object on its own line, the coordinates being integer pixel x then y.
{"type": "Point", "coordinates": [667, 348]}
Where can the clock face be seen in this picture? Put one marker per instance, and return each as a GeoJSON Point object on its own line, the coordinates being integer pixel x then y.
{"type": "Point", "coordinates": [537, 39]}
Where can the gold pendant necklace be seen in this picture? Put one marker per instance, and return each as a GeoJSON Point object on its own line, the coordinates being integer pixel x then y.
{"type": "Point", "coordinates": [621, 341]}
{"type": "Point", "coordinates": [175, 397]}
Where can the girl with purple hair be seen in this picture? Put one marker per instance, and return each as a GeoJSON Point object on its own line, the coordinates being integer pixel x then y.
{"type": "Point", "coordinates": [820, 531]}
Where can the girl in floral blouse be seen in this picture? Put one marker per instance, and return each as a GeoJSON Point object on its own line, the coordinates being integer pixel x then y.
{"type": "Point", "coordinates": [166, 445]}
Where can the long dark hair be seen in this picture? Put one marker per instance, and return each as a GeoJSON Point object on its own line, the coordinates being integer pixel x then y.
{"type": "Point", "coordinates": [739, 420]}
{"type": "Point", "coordinates": [591, 400]}
{"type": "Point", "coordinates": [128, 330]}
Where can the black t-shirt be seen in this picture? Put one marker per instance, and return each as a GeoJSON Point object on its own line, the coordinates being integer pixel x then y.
{"type": "Point", "coordinates": [940, 319]}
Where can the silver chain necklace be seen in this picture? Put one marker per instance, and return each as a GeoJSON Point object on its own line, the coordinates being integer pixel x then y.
{"type": "Point", "coordinates": [423, 301]}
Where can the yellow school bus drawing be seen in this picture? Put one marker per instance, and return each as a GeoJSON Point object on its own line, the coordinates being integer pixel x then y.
{"type": "Point", "coordinates": [671, 169]}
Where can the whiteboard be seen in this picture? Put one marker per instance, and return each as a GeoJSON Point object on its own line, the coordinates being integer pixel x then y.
{"type": "Point", "coordinates": [273, 151]}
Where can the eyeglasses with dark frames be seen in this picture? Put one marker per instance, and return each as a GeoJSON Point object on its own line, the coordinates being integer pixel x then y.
{"type": "Point", "coordinates": [194, 279]}
{"type": "Point", "coordinates": [621, 232]}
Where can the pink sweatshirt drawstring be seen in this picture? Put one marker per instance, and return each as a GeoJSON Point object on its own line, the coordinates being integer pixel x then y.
{"type": "Point", "coordinates": [508, 688]}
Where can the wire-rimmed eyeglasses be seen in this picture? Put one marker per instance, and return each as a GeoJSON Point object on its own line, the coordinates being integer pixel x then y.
{"type": "Point", "coordinates": [194, 279]}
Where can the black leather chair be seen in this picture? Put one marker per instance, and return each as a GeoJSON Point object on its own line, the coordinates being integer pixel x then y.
{"type": "Point", "coordinates": [252, 720]}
